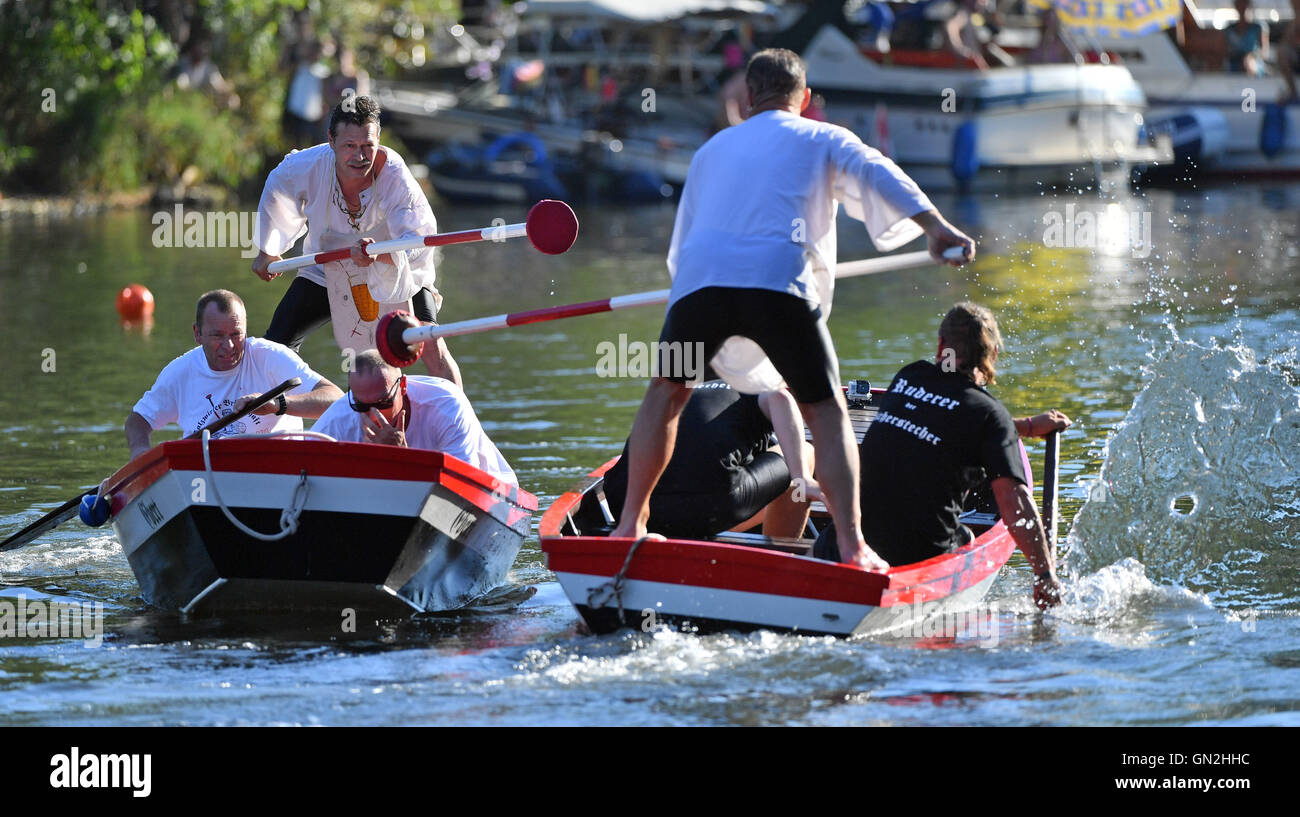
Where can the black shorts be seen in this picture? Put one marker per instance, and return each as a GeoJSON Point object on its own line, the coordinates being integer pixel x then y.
{"type": "Point", "coordinates": [686, 514]}
{"type": "Point", "coordinates": [786, 327]}
{"type": "Point", "coordinates": [305, 308]}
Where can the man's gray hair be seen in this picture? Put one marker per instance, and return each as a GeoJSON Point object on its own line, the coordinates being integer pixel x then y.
{"type": "Point", "coordinates": [370, 361]}
{"type": "Point", "coordinates": [774, 73]}
{"type": "Point", "coordinates": [223, 298]}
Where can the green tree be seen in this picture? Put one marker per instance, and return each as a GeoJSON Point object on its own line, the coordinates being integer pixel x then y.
{"type": "Point", "coordinates": [90, 104]}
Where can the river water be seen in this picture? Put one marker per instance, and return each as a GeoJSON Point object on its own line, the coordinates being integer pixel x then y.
{"type": "Point", "coordinates": [1164, 323]}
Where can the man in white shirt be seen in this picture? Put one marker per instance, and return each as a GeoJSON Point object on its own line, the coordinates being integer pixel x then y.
{"type": "Point", "coordinates": [221, 375]}
{"type": "Point", "coordinates": [752, 259]}
{"type": "Point", "coordinates": [350, 191]}
{"type": "Point", "coordinates": [389, 408]}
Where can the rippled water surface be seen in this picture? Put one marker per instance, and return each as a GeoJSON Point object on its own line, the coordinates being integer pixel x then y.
{"type": "Point", "coordinates": [1177, 358]}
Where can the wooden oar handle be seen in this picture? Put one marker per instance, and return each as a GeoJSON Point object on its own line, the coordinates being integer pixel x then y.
{"type": "Point", "coordinates": [216, 425]}
{"type": "Point", "coordinates": [1051, 481]}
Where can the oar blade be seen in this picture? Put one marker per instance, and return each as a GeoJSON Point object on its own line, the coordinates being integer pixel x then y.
{"type": "Point", "coordinates": [45, 524]}
{"type": "Point", "coordinates": [552, 226]}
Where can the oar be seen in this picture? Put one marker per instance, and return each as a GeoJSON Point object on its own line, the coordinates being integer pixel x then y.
{"type": "Point", "coordinates": [399, 335]}
{"type": "Point", "coordinates": [1051, 460]}
{"type": "Point", "coordinates": [69, 509]}
{"type": "Point", "coordinates": [551, 227]}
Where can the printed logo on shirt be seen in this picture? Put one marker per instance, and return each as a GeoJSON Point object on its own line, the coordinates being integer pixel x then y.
{"type": "Point", "coordinates": [220, 410]}
{"type": "Point", "coordinates": [922, 433]}
{"type": "Point", "coordinates": [920, 395]}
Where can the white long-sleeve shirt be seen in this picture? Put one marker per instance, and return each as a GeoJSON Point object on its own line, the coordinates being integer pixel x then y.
{"type": "Point", "coordinates": [299, 198]}
{"type": "Point", "coordinates": [758, 211]}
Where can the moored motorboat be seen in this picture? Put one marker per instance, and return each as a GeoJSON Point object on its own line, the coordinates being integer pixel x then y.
{"type": "Point", "coordinates": [745, 581]}
{"type": "Point", "coordinates": [374, 529]}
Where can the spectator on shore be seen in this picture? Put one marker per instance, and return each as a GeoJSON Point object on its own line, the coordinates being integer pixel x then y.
{"type": "Point", "coordinates": [305, 108]}
{"type": "Point", "coordinates": [1288, 55]}
{"type": "Point", "coordinates": [196, 71]}
{"type": "Point", "coordinates": [1053, 47]}
{"type": "Point", "coordinates": [1247, 42]}
{"type": "Point", "coordinates": [961, 34]}
{"type": "Point", "coordinates": [347, 77]}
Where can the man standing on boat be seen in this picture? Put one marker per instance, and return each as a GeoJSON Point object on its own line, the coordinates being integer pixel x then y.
{"type": "Point", "coordinates": [387, 407]}
{"type": "Point", "coordinates": [738, 459]}
{"type": "Point", "coordinates": [349, 191]}
{"type": "Point", "coordinates": [938, 435]}
{"type": "Point", "coordinates": [752, 255]}
{"type": "Point", "coordinates": [221, 375]}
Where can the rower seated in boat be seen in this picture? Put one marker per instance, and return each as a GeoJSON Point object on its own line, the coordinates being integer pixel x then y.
{"type": "Point", "coordinates": [732, 465]}
{"type": "Point", "coordinates": [386, 407]}
{"type": "Point", "coordinates": [939, 434]}
{"type": "Point", "coordinates": [221, 374]}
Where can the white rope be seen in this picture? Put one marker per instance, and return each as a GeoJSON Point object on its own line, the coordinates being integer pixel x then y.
{"type": "Point", "coordinates": [600, 596]}
{"type": "Point", "coordinates": [289, 516]}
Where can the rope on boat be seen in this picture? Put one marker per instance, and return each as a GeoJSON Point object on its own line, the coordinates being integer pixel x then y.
{"type": "Point", "coordinates": [598, 597]}
{"type": "Point", "coordinates": [288, 517]}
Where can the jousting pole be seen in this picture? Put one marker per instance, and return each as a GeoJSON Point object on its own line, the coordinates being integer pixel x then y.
{"type": "Point", "coordinates": [400, 337]}
{"type": "Point", "coordinates": [551, 227]}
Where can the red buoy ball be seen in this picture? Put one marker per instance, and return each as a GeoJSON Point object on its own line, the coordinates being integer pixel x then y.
{"type": "Point", "coordinates": [135, 303]}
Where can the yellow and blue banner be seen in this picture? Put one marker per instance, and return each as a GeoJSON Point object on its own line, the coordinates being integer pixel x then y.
{"type": "Point", "coordinates": [1107, 19]}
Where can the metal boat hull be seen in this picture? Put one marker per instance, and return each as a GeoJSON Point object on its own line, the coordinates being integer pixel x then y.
{"type": "Point", "coordinates": [382, 531]}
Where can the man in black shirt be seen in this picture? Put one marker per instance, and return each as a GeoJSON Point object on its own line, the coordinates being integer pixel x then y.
{"type": "Point", "coordinates": [726, 468]}
{"type": "Point", "coordinates": [938, 435]}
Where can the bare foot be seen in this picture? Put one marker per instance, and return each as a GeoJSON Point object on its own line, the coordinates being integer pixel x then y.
{"type": "Point", "coordinates": [628, 530]}
{"type": "Point", "coordinates": [864, 557]}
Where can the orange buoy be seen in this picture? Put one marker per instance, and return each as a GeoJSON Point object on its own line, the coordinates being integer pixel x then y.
{"type": "Point", "coordinates": [135, 302]}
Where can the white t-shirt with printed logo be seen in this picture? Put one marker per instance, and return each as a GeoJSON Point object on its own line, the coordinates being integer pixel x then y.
{"type": "Point", "coordinates": [189, 393]}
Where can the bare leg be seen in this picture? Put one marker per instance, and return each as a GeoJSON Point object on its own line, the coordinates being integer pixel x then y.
{"type": "Point", "coordinates": [787, 515]}
{"type": "Point", "coordinates": [837, 464]}
{"type": "Point", "coordinates": [649, 448]}
{"type": "Point", "coordinates": [440, 363]}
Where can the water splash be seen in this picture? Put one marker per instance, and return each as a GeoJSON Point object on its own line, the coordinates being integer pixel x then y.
{"type": "Point", "coordinates": [1201, 482]}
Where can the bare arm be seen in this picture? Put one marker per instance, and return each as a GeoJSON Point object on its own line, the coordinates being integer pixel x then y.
{"type": "Point", "coordinates": [940, 235]}
{"type": "Point", "coordinates": [138, 434]}
{"type": "Point", "coordinates": [1016, 505]}
{"type": "Point", "coordinates": [313, 404]}
{"type": "Point", "coordinates": [261, 262]}
{"type": "Point", "coordinates": [310, 405]}
{"type": "Point", "coordinates": [1040, 425]}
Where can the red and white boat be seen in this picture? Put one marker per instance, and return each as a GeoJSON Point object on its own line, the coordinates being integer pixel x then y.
{"type": "Point", "coordinates": [378, 529]}
{"type": "Point", "coordinates": [745, 581]}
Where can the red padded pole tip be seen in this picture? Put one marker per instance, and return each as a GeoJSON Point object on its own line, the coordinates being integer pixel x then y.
{"type": "Point", "coordinates": [552, 226]}
{"type": "Point", "coordinates": [388, 339]}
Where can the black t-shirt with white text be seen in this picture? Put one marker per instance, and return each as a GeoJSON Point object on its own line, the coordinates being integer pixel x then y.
{"type": "Point", "coordinates": [720, 432]}
{"type": "Point", "coordinates": [936, 436]}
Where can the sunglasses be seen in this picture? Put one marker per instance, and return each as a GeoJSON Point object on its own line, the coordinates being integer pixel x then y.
{"type": "Point", "coordinates": [386, 403]}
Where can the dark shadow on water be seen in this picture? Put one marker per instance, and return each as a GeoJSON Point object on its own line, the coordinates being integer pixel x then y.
{"type": "Point", "coordinates": [488, 622]}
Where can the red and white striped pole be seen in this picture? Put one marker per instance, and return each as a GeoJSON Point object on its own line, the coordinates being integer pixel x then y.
{"type": "Point", "coordinates": [551, 228]}
{"type": "Point", "coordinates": [400, 336]}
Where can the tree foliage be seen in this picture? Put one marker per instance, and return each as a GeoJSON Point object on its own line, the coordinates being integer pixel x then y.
{"type": "Point", "coordinates": [90, 103]}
